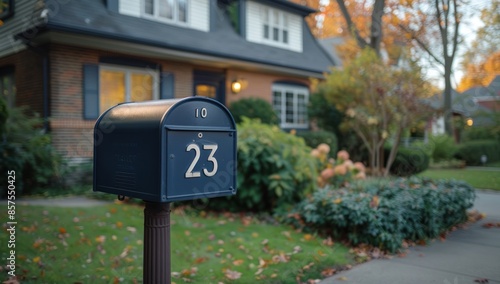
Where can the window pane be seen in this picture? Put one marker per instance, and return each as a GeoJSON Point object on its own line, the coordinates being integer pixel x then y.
{"type": "Point", "coordinates": [276, 18]}
{"type": "Point", "coordinates": [301, 109]}
{"type": "Point", "coordinates": [149, 7]}
{"type": "Point", "coordinates": [285, 36]}
{"type": "Point", "coordinates": [265, 15]}
{"type": "Point", "coordinates": [276, 34]}
{"type": "Point", "coordinates": [277, 103]}
{"type": "Point", "coordinates": [289, 108]}
{"type": "Point", "coordinates": [8, 89]}
{"type": "Point", "coordinates": [266, 31]}
{"type": "Point", "coordinates": [182, 14]}
{"type": "Point", "coordinates": [141, 87]}
{"type": "Point", "coordinates": [206, 91]}
{"type": "Point", "coordinates": [166, 9]}
{"type": "Point", "coordinates": [112, 89]}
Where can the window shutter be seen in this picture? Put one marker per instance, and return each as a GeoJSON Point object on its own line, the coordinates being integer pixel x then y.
{"type": "Point", "coordinates": [167, 86]}
{"type": "Point", "coordinates": [90, 91]}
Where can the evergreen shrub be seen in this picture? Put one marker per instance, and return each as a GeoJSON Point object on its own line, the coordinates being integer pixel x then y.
{"type": "Point", "coordinates": [385, 214]}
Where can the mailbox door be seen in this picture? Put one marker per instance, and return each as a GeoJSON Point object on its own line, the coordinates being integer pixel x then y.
{"type": "Point", "coordinates": [200, 147]}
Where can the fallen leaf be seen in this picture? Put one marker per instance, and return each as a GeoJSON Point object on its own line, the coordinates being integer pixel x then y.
{"type": "Point", "coordinates": [238, 262]}
{"type": "Point", "coordinates": [308, 237]}
{"type": "Point", "coordinates": [200, 260]}
{"type": "Point", "coordinates": [328, 242]}
{"type": "Point", "coordinates": [232, 275]}
{"type": "Point", "coordinates": [328, 272]}
{"type": "Point", "coordinates": [264, 242]}
{"type": "Point", "coordinates": [62, 230]}
{"type": "Point", "coordinates": [343, 278]}
{"type": "Point", "coordinates": [481, 280]}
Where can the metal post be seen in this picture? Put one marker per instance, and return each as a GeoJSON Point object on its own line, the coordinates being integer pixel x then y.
{"type": "Point", "coordinates": [156, 266]}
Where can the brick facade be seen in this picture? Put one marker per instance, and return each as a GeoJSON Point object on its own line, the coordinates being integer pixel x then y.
{"type": "Point", "coordinates": [72, 135]}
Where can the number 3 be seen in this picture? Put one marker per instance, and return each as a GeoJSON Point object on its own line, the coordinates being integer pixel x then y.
{"type": "Point", "coordinates": [197, 152]}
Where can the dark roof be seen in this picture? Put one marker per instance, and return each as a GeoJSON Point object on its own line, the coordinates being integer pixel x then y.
{"type": "Point", "coordinates": [329, 45]}
{"type": "Point", "coordinates": [92, 18]}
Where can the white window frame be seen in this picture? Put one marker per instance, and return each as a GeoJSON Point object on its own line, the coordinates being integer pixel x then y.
{"type": "Point", "coordinates": [281, 26]}
{"type": "Point", "coordinates": [156, 13]}
{"type": "Point", "coordinates": [281, 107]}
{"type": "Point", "coordinates": [128, 71]}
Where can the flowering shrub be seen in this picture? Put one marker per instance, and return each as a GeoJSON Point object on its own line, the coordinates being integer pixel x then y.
{"type": "Point", "coordinates": [339, 172]}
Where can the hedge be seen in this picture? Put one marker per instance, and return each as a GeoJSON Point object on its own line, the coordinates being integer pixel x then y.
{"type": "Point", "coordinates": [472, 151]}
{"type": "Point", "coordinates": [385, 214]}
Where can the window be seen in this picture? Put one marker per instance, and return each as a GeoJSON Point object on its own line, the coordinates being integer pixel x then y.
{"type": "Point", "coordinates": [6, 9]}
{"type": "Point", "coordinates": [8, 87]}
{"type": "Point", "coordinates": [290, 103]}
{"type": "Point", "coordinates": [274, 25]}
{"type": "Point", "coordinates": [117, 85]}
{"type": "Point", "coordinates": [167, 10]}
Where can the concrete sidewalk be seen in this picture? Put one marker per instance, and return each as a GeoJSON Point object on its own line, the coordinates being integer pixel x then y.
{"type": "Point", "coordinates": [468, 255]}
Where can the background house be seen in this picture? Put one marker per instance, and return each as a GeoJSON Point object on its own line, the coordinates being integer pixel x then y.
{"type": "Point", "coordinates": [71, 60]}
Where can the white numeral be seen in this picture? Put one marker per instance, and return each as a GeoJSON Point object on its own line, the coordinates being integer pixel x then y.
{"type": "Point", "coordinates": [197, 152]}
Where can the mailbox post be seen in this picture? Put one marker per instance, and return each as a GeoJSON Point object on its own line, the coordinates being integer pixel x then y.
{"type": "Point", "coordinates": [160, 152]}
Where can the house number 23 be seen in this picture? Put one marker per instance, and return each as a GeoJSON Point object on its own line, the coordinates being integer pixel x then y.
{"type": "Point", "coordinates": [197, 153]}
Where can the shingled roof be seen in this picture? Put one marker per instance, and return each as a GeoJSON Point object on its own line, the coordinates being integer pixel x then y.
{"type": "Point", "coordinates": [93, 18]}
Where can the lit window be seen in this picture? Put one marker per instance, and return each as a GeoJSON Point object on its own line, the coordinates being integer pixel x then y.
{"type": "Point", "coordinates": [167, 10]}
{"type": "Point", "coordinates": [119, 85]}
{"type": "Point", "coordinates": [208, 91]}
{"type": "Point", "coordinates": [290, 104]}
{"type": "Point", "coordinates": [274, 25]}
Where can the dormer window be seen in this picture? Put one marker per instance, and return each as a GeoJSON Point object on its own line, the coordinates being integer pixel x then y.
{"type": "Point", "coordinates": [275, 25]}
{"type": "Point", "coordinates": [167, 10]}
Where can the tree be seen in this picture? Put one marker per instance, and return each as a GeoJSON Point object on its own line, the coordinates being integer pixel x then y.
{"type": "Point", "coordinates": [480, 61]}
{"type": "Point", "coordinates": [378, 102]}
{"type": "Point", "coordinates": [434, 29]}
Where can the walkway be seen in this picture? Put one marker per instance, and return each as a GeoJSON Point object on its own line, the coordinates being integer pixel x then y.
{"type": "Point", "coordinates": [470, 255]}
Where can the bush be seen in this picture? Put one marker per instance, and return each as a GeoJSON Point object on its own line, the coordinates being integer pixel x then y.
{"type": "Point", "coordinates": [410, 161]}
{"type": "Point", "coordinates": [275, 169]}
{"type": "Point", "coordinates": [472, 151]}
{"type": "Point", "coordinates": [25, 149]}
{"type": "Point", "coordinates": [314, 138]}
{"type": "Point", "coordinates": [443, 148]}
{"type": "Point", "coordinates": [383, 215]}
{"type": "Point", "coordinates": [254, 108]}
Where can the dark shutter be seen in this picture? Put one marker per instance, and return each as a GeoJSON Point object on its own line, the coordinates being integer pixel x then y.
{"type": "Point", "coordinates": [167, 83]}
{"type": "Point", "coordinates": [90, 91]}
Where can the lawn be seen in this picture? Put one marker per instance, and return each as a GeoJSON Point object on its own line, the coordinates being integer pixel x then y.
{"type": "Point", "coordinates": [479, 178]}
{"type": "Point", "coordinates": [105, 244]}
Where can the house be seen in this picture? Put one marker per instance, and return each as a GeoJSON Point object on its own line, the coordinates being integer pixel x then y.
{"type": "Point", "coordinates": [71, 60]}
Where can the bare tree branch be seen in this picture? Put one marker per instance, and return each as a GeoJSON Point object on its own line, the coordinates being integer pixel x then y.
{"type": "Point", "coordinates": [350, 24]}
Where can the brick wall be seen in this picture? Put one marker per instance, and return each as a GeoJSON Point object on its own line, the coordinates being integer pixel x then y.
{"type": "Point", "coordinates": [256, 85]}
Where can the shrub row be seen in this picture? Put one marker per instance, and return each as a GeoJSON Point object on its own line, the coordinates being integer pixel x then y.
{"type": "Point", "coordinates": [472, 151]}
{"type": "Point", "coordinates": [275, 169]}
{"type": "Point", "coordinates": [384, 215]}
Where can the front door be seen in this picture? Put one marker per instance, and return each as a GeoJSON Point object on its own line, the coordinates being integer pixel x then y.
{"type": "Point", "coordinates": [210, 84]}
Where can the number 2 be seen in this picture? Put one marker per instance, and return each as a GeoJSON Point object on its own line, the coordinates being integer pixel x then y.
{"type": "Point", "coordinates": [197, 153]}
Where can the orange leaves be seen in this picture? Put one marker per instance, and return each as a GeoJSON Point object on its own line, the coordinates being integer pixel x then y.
{"type": "Point", "coordinates": [62, 230]}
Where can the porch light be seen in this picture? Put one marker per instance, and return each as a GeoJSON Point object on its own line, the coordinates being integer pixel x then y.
{"type": "Point", "coordinates": [236, 86]}
{"type": "Point", "coordinates": [469, 122]}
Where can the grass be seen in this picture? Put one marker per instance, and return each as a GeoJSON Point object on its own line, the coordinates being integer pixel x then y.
{"type": "Point", "coordinates": [104, 244]}
{"type": "Point", "coordinates": [478, 178]}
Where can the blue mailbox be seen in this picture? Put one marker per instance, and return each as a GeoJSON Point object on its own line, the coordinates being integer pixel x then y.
{"type": "Point", "coordinates": [166, 150]}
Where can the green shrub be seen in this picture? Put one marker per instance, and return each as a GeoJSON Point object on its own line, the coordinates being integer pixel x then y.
{"type": "Point", "coordinates": [25, 149]}
{"type": "Point", "coordinates": [385, 214]}
{"type": "Point", "coordinates": [443, 147]}
{"type": "Point", "coordinates": [314, 138]}
{"type": "Point", "coordinates": [410, 161]}
{"type": "Point", "coordinates": [472, 151]}
{"type": "Point", "coordinates": [254, 108]}
{"type": "Point", "coordinates": [275, 169]}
